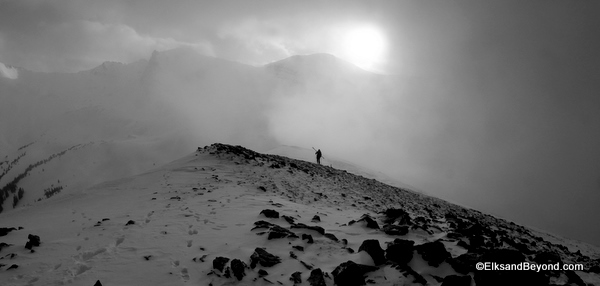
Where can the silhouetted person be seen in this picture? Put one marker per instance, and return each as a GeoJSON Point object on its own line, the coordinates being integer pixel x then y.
{"type": "Point", "coordinates": [319, 155]}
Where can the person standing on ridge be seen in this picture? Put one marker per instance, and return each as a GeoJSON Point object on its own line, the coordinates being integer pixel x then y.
{"type": "Point", "coordinates": [319, 155]}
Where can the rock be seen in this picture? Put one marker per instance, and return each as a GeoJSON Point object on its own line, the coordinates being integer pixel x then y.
{"type": "Point", "coordinates": [350, 274]}
{"type": "Point", "coordinates": [547, 257]}
{"type": "Point", "coordinates": [331, 236]}
{"type": "Point", "coordinates": [34, 240]}
{"type": "Point", "coordinates": [497, 277]}
{"type": "Point", "coordinates": [296, 277]}
{"type": "Point", "coordinates": [220, 262]}
{"type": "Point", "coordinates": [574, 279]}
{"type": "Point", "coordinates": [316, 218]}
{"type": "Point", "coordinates": [318, 229]}
{"type": "Point", "coordinates": [316, 278]}
{"type": "Point", "coordinates": [307, 237]}
{"type": "Point", "coordinates": [400, 251]}
{"type": "Point", "coordinates": [270, 213]}
{"type": "Point", "coordinates": [399, 215]}
{"type": "Point", "coordinates": [280, 232]}
{"type": "Point", "coordinates": [395, 229]}
{"type": "Point", "coordinates": [130, 222]}
{"type": "Point", "coordinates": [371, 223]}
{"type": "Point", "coordinates": [5, 230]}
{"type": "Point", "coordinates": [262, 188]}
{"type": "Point", "coordinates": [263, 224]}
{"type": "Point", "coordinates": [372, 247]}
{"type": "Point", "coordinates": [262, 273]}
{"type": "Point", "coordinates": [433, 252]}
{"type": "Point", "coordinates": [465, 263]}
{"type": "Point", "coordinates": [455, 280]}
{"type": "Point", "coordinates": [262, 257]}
{"type": "Point", "coordinates": [97, 283]}
{"type": "Point", "coordinates": [14, 266]}
{"type": "Point", "coordinates": [298, 247]}
{"type": "Point", "coordinates": [308, 266]}
{"type": "Point", "coordinates": [288, 218]}
{"type": "Point", "coordinates": [237, 267]}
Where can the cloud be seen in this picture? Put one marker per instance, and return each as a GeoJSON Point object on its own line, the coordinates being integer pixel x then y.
{"type": "Point", "coordinates": [82, 44]}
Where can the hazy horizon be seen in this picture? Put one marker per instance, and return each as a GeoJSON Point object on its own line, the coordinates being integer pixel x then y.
{"type": "Point", "coordinates": [489, 105]}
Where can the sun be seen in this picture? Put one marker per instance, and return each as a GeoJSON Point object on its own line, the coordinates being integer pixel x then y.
{"type": "Point", "coordinates": [364, 46]}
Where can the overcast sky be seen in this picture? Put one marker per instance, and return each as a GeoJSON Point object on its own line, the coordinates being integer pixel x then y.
{"type": "Point", "coordinates": [506, 92]}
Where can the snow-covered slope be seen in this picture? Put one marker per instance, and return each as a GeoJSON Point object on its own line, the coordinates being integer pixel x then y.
{"type": "Point", "coordinates": [169, 226]}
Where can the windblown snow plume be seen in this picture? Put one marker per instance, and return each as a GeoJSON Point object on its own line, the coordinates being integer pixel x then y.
{"type": "Point", "coordinates": [8, 71]}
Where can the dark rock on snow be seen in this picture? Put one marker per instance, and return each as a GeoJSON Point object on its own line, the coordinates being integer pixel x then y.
{"type": "Point", "coordinates": [400, 251]}
{"type": "Point", "coordinates": [34, 240]}
{"type": "Point", "coordinates": [455, 280]}
{"type": "Point", "coordinates": [5, 230]}
{"type": "Point", "coordinates": [270, 213]}
{"type": "Point", "coordinates": [397, 215]}
{"type": "Point", "coordinates": [97, 283]}
{"type": "Point", "coordinates": [237, 267]}
{"type": "Point", "coordinates": [371, 223]}
{"type": "Point", "coordinates": [395, 229]}
{"type": "Point", "coordinates": [307, 237]}
{"type": "Point", "coordinates": [316, 278]}
{"type": "Point", "coordinates": [262, 273]}
{"type": "Point", "coordinates": [318, 229]}
{"type": "Point", "coordinates": [350, 273]}
{"type": "Point", "coordinates": [262, 257]}
{"type": "Point", "coordinates": [372, 247]}
{"type": "Point", "coordinates": [433, 252]}
{"type": "Point", "coordinates": [220, 262]}
{"type": "Point", "coordinates": [130, 222]}
{"type": "Point", "coordinates": [296, 277]}
{"type": "Point", "coordinates": [331, 236]}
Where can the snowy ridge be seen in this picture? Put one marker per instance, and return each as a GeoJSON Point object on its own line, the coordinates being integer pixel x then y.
{"type": "Point", "coordinates": [203, 220]}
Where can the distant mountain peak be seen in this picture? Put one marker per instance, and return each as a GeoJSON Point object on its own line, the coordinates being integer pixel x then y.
{"type": "Point", "coordinates": [318, 64]}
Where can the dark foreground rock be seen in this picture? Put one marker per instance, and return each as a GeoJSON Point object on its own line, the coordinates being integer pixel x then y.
{"type": "Point", "coordinates": [350, 273]}
{"type": "Point", "coordinates": [262, 257]}
{"type": "Point", "coordinates": [433, 252]}
{"type": "Point", "coordinates": [400, 251]}
{"type": "Point", "coordinates": [296, 277]}
{"type": "Point", "coordinates": [316, 278]}
{"type": "Point", "coordinates": [34, 240]}
{"type": "Point", "coordinates": [372, 247]}
{"type": "Point", "coordinates": [270, 213]}
{"type": "Point", "coordinates": [220, 262]}
{"type": "Point", "coordinates": [238, 269]}
{"type": "Point", "coordinates": [455, 280]}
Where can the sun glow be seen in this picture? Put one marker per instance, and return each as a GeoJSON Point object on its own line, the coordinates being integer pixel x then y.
{"type": "Point", "coordinates": [364, 46]}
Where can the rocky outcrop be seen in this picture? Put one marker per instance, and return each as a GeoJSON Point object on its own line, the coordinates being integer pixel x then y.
{"type": "Point", "coordinates": [316, 278]}
{"type": "Point", "coordinates": [262, 257]}
{"type": "Point", "coordinates": [220, 262]}
{"type": "Point", "coordinates": [238, 268]}
{"type": "Point", "coordinates": [33, 240]}
{"type": "Point", "coordinates": [350, 273]}
{"type": "Point", "coordinates": [433, 252]}
{"type": "Point", "coordinates": [372, 247]}
{"type": "Point", "coordinates": [400, 251]}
